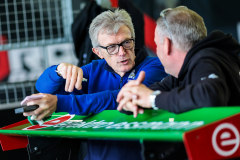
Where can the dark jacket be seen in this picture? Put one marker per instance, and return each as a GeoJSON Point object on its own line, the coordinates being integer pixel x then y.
{"type": "Point", "coordinates": [80, 33]}
{"type": "Point", "coordinates": [210, 76]}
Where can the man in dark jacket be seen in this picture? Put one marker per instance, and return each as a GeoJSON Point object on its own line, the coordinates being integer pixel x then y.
{"type": "Point", "coordinates": [204, 71]}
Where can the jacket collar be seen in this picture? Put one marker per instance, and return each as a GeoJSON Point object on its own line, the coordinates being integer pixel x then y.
{"type": "Point", "coordinates": [217, 40]}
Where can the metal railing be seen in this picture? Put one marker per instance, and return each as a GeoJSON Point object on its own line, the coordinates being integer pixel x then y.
{"type": "Point", "coordinates": [11, 94]}
{"type": "Point", "coordinates": [28, 23]}
{"type": "Point", "coordinates": [31, 23]}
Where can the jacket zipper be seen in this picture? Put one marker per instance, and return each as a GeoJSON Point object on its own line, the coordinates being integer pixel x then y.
{"type": "Point", "coordinates": [120, 83]}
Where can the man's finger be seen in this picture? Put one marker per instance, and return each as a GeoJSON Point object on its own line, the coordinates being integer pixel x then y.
{"type": "Point", "coordinates": [68, 79]}
{"type": "Point", "coordinates": [37, 94]}
{"type": "Point", "coordinates": [135, 101]}
{"type": "Point", "coordinates": [73, 80]}
{"type": "Point", "coordinates": [137, 90]}
{"type": "Point", "coordinates": [135, 111]}
{"type": "Point", "coordinates": [78, 84]}
{"type": "Point", "coordinates": [35, 112]}
{"type": "Point", "coordinates": [42, 115]}
{"type": "Point", "coordinates": [127, 87]}
{"type": "Point", "coordinates": [122, 103]}
{"type": "Point", "coordinates": [27, 114]}
{"type": "Point", "coordinates": [140, 110]}
{"type": "Point", "coordinates": [131, 107]}
{"type": "Point", "coordinates": [141, 77]}
{"type": "Point", "coordinates": [64, 73]}
{"type": "Point", "coordinates": [127, 97]}
{"type": "Point", "coordinates": [34, 102]}
{"type": "Point", "coordinates": [125, 108]}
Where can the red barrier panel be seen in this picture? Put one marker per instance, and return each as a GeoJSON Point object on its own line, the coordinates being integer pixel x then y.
{"type": "Point", "coordinates": [4, 63]}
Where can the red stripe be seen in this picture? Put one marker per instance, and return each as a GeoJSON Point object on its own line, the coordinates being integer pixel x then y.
{"type": "Point", "coordinates": [4, 63]}
{"type": "Point", "coordinates": [149, 31]}
{"type": "Point", "coordinates": [16, 124]}
{"type": "Point", "coordinates": [114, 3]}
{"type": "Point", "coordinates": [13, 142]}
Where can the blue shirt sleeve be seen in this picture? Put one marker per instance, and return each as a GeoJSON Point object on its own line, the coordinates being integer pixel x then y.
{"type": "Point", "coordinates": [87, 103]}
{"type": "Point", "coordinates": [51, 83]}
{"type": "Point", "coordinates": [82, 103]}
{"type": "Point", "coordinates": [106, 100]}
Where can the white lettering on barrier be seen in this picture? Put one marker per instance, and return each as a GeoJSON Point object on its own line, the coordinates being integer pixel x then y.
{"type": "Point", "coordinates": [117, 125]}
{"type": "Point", "coordinates": [66, 122]}
{"type": "Point", "coordinates": [132, 125]}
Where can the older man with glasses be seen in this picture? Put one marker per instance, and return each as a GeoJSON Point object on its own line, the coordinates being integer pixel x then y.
{"type": "Point", "coordinates": [94, 87]}
{"type": "Point", "coordinates": [203, 70]}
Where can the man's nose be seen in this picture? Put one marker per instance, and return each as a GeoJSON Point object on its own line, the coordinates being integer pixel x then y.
{"type": "Point", "coordinates": [121, 51]}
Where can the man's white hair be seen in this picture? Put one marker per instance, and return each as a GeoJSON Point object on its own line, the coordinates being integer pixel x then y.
{"type": "Point", "coordinates": [185, 25]}
{"type": "Point", "coordinates": [109, 22]}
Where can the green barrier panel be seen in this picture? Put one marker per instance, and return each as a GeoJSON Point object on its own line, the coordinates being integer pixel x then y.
{"type": "Point", "coordinates": [213, 131]}
{"type": "Point", "coordinates": [152, 125]}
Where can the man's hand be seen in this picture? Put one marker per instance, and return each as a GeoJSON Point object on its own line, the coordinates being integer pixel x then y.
{"type": "Point", "coordinates": [47, 105]}
{"type": "Point", "coordinates": [73, 76]}
{"type": "Point", "coordinates": [134, 93]}
{"type": "Point", "coordinates": [127, 87]}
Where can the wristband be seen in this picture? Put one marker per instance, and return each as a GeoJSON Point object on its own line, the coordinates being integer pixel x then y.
{"type": "Point", "coordinates": [152, 98]}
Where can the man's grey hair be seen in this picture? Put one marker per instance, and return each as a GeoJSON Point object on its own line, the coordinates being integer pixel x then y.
{"type": "Point", "coordinates": [185, 25]}
{"type": "Point", "coordinates": [109, 22]}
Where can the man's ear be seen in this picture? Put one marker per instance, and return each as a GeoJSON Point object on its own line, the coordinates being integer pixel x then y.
{"type": "Point", "coordinates": [97, 52]}
{"type": "Point", "coordinates": [167, 45]}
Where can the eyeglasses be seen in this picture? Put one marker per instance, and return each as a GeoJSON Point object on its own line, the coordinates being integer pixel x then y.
{"type": "Point", "coordinates": [163, 13]}
{"type": "Point", "coordinates": [114, 48]}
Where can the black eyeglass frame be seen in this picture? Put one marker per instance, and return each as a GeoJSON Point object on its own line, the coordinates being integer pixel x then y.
{"type": "Point", "coordinates": [121, 44]}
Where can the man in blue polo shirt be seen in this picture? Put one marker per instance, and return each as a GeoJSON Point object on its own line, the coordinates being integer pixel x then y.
{"type": "Point", "coordinates": [94, 87]}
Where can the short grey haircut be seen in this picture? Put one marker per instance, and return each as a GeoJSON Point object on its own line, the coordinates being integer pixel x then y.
{"type": "Point", "coordinates": [110, 22]}
{"type": "Point", "coordinates": [186, 26]}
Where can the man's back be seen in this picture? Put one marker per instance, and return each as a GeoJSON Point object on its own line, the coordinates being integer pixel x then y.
{"type": "Point", "coordinates": [209, 76]}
